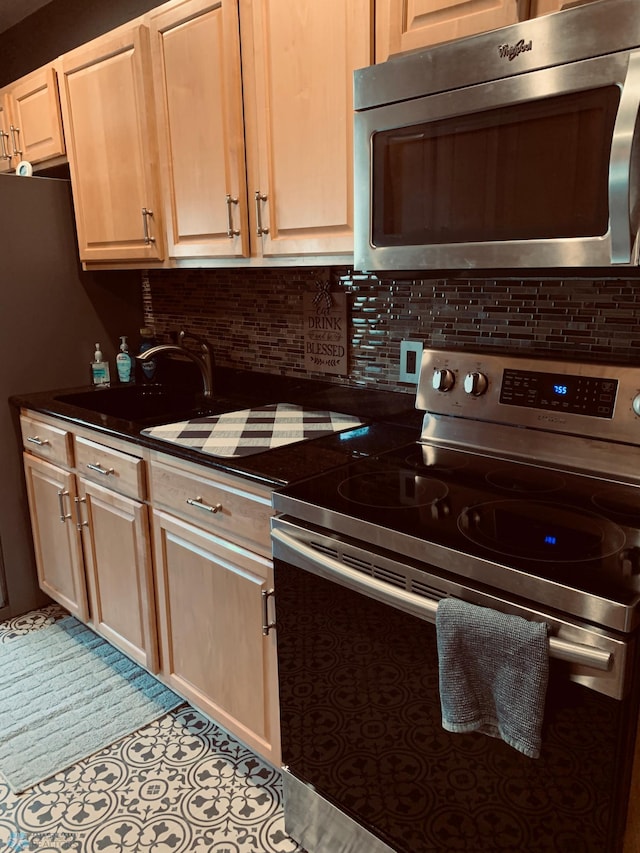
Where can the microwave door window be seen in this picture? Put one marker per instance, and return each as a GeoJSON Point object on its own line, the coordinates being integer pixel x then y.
{"type": "Point", "coordinates": [537, 170]}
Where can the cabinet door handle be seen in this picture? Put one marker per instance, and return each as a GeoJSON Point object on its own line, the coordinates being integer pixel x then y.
{"type": "Point", "coordinates": [146, 213]}
{"type": "Point", "coordinates": [62, 494]}
{"type": "Point", "coordinates": [15, 134]}
{"type": "Point", "coordinates": [259, 197]}
{"type": "Point", "coordinates": [266, 625]}
{"type": "Point", "coordinates": [4, 154]}
{"type": "Point", "coordinates": [200, 504]}
{"type": "Point", "coordinates": [231, 231]}
{"type": "Point", "coordinates": [99, 469]}
{"type": "Point", "coordinates": [35, 439]}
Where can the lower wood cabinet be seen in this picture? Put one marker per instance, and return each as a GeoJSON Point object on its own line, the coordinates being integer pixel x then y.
{"type": "Point", "coordinates": [167, 560]}
{"type": "Point", "coordinates": [212, 600]}
{"type": "Point", "coordinates": [91, 542]}
{"type": "Point", "coordinates": [51, 492]}
{"type": "Point", "coordinates": [117, 555]}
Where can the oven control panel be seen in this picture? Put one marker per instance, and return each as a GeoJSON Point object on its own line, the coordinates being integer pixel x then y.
{"type": "Point", "coordinates": [584, 399]}
{"type": "Point", "coordinates": [559, 392]}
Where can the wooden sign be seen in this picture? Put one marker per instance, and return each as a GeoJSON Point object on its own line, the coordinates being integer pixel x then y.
{"type": "Point", "coordinates": [325, 332]}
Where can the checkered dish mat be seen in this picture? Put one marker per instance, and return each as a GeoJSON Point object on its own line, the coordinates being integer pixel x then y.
{"type": "Point", "coordinates": [252, 431]}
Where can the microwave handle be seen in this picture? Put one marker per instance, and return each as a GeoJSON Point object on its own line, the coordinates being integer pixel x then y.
{"type": "Point", "coordinates": [424, 608]}
{"type": "Point", "coordinates": [620, 166]}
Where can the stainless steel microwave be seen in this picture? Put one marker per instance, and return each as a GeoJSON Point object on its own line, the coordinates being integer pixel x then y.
{"type": "Point", "coordinates": [514, 148]}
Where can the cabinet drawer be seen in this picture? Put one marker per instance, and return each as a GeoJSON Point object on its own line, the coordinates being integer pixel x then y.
{"type": "Point", "coordinates": [111, 468]}
{"type": "Point", "coordinates": [46, 441]}
{"type": "Point", "coordinates": [225, 507]}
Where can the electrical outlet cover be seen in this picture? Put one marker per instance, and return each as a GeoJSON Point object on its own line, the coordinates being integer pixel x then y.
{"type": "Point", "coordinates": [410, 358]}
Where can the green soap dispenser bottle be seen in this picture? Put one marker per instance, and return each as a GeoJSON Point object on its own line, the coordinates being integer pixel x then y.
{"type": "Point", "coordinates": [124, 363]}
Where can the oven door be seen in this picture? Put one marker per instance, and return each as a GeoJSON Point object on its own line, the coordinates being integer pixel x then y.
{"type": "Point", "coordinates": [531, 170]}
{"type": "Point", "coordinates": [362, 738]}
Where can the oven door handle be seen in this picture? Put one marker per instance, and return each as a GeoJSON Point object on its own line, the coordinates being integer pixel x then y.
{"type": "Point", "coordinates": [292, 550]}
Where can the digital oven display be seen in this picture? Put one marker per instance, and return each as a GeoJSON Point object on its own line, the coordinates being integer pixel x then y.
{"type": "Point", "coordinates": [576, 395]}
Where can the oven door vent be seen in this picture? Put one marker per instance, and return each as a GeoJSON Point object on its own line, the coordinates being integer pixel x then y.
{"type": "Point", "coordinates": [406, 579]}
{"type": "Point", "coordinates": [399, 579]}
{"type": "Point", "coordinates": [425, 590]}
{"type": "Point", "coordinates": [375, 571]}
{"type": "Point", "coordinates": [320, 546]}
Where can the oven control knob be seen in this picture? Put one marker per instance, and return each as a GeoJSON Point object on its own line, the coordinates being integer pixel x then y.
{"type": "Point", "coordinates": [636, 404]}
{"type": "Point", "coordinates": [476, 384]}
{"type": "Point", "coordinates": [443, 379]}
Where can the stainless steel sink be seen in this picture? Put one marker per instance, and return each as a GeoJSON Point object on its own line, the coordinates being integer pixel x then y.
{"type": "Point", "coordinates": [146, 404]}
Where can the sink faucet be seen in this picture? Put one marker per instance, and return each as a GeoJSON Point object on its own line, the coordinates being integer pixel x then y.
{"type": "Point", "coordinates": [204, 359]}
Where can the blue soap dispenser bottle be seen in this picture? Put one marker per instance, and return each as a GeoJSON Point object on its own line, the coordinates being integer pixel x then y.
{"type": "Point", "coordinates": [124, 362]}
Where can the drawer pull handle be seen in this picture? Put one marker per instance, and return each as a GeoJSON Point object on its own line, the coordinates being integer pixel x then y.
{"type": "Point", "coordinates": [200, 504]}
{"type": "Point", "coordinates": [35, 439]}
{"type": "Point", "coordinates": [99, 469]}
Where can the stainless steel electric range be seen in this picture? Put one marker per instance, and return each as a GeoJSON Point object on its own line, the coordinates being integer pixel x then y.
{"type": "Point", "coordinates": [522, 494]}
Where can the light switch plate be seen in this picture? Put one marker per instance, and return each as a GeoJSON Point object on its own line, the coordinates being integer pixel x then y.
{"type": "Point", "coordinates": [410, 358]}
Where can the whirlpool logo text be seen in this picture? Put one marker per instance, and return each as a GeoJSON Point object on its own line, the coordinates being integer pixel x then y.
{"type": "Point", "coordinates": [510, 51]}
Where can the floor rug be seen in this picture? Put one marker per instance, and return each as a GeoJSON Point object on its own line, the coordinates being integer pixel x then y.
{"type": "Point", "coordinates": [65, 693]}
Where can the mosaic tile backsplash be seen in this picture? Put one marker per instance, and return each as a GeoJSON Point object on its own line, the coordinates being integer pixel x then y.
{"type": "Point", "coordinates": [254, 317]}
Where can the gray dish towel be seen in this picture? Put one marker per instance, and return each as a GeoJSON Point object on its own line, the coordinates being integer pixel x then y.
{"type": "Point", "coordinates": [493, 672]}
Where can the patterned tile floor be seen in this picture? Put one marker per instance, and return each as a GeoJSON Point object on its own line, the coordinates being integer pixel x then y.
{"type": "Point", "coordinates": [179, 784]}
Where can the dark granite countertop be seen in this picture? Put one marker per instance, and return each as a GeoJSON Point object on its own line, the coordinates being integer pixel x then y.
{"type": "Point", "coordinates": [389, 420]}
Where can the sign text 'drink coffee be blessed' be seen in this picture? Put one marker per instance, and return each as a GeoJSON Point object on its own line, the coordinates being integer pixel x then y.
{"type": "Point", "coordinates": [325, 333]}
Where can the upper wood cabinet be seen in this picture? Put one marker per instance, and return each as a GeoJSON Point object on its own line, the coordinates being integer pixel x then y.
{"type": "Point", "coordinates": [107, 106]}
{"type": "Point", "coordinates": [30, 120]}
{"type": "Point", "coordinates": [278, 75]}
{"type": "Point", "coordinates": [545, 7]}
{"type": "Point", "coordinates": [408, 24]}
{"type": "Point", "coordinates": [298, 61]}
{"type": "Point", "coordinates": [197, 78]}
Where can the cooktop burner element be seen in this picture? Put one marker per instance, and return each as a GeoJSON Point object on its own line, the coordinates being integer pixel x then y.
{"type": "Point", "coordinates": [526, 481]}
{"type": "Point", "coordinates": [392, 489]}
{"type": "Point", "coordinates": [541, 531]}
{"type": "Point", "coordinates": [622, 502]}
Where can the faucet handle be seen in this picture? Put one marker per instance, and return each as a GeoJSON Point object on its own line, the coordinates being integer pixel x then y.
{"type": "Point", "coordinates": [182, 334]}
{"type": "Point", "coordinates": [205, 346]}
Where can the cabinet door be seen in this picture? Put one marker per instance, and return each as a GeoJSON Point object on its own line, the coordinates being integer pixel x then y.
{"type": "Point", "coordinates": [107, 105]}
{"type": "Point", "coordinates": [196, 66]}
{"type": "Point", "coordinates": [36, 116]}
{"type": "Point", "coordinates": [58, 550]}
{"type": "Point", "coordinates": [298, 61]}
{"type": "Point", "coordinates": [119, 575]}
{"type": "Point", "coordinates": [408, 24]}
{"type": "Point", "coordinates": [6, 161]}
{"type": "Point", "coordinates": [210, 611]}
